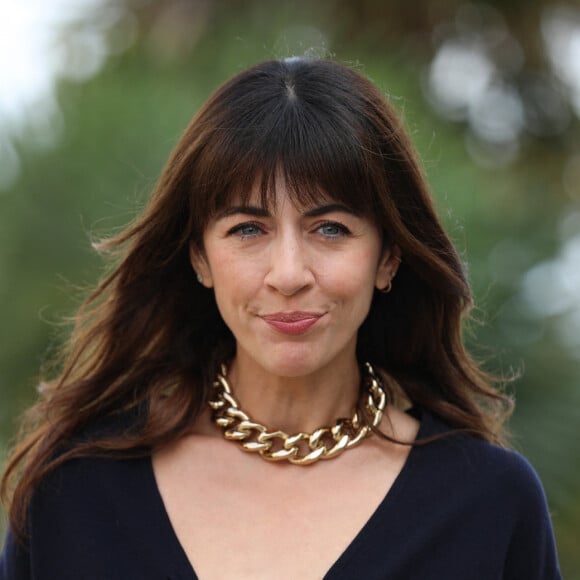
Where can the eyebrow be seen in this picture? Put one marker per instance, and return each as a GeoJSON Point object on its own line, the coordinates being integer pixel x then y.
{"type": "Point", "coordinates": [331, 207]}
{"type": "Point", "coordinates": [257, 211]}
{"type": "Point", "coordinates": [245, 210]}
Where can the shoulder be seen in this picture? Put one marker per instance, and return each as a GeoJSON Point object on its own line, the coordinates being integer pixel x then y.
{"type": "Point", "coordinates": [83, 481]}
{"type": "Point", "coordinates": [90, 471]}
{"type": "Point", "coordinates": [79, 484]}
{"type": "Point", "coordinates": [100, 492]}
{"type": "Point", "coordinates": [473, 466]}
{"type": "Point", "coordinates": [92, 507]}
{"type": "Point", "coordinates": [491, 495]}
{"type": "Point", "coordinates": [94, 504]}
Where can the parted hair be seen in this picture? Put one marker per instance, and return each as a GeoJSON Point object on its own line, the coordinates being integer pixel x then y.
{"type": "Point", "coordinates": [149, 338]}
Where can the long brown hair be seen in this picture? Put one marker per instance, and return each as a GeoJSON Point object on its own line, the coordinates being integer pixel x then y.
{"type": "Point", "coordinates": [148, 340]}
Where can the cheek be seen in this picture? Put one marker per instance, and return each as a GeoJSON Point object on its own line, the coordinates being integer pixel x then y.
{"type": "Point", "coordinates": [364, 265]}
{"type": "Point", "coordinates": [222, 264]}
{"type": "Point", "coordinates": [353, 277]}
{"type": "Point", "coordinates": [234, 279]}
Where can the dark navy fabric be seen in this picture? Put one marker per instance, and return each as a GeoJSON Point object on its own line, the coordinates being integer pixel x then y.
{"type": "Point", "coordinates": [461, 509]}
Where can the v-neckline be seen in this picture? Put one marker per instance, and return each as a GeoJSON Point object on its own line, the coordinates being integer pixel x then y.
{"type": "Point", "coordinates": [185, 568]}
{"type": "Point", "coordinates": [359, 540]}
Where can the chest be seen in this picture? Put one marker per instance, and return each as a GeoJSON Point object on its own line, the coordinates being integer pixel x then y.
{"type": "Point", "coordinates": [239, 517]}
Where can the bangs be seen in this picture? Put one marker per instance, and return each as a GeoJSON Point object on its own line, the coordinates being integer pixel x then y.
{"type": "Point", "coordinates": [282, 124]}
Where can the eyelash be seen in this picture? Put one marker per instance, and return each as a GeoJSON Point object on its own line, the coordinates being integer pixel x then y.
{"type": "Point", "coordinates": [342, 229]}
{"type": "Point", "coordinates": [238, 230]}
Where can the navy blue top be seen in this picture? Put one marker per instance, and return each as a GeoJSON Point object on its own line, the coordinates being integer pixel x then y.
{"type": "Point", "coordinates": [460, 509]}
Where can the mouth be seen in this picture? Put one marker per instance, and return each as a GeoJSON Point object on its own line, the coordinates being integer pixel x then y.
{"type": "Point", "coordinates": [292, 323]}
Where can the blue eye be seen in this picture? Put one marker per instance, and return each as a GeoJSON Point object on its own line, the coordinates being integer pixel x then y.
{"type": "Point", "coordinates": [247, 230]}
{"type": "Point", "coordinates": [333, 230]}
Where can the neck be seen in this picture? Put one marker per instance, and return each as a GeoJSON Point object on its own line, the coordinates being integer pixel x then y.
{"type": "Point", "coordinates": [296, 404]}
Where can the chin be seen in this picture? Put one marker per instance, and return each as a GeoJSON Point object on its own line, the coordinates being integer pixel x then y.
{"type": "Point", "coordinates": [294, 363]}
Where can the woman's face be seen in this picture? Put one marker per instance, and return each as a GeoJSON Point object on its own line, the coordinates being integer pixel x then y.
{"type": "Point", "coordinates": [293, 285]}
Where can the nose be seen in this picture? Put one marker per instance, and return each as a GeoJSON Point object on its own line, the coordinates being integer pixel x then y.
{"type": "Point", "coordinates": [289, 269]}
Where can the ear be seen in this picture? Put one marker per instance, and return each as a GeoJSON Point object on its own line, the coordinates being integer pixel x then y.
{"type": "Point", "coordinates": [199, 263]}
{"type": "Point", "coordinates": [388, 266]}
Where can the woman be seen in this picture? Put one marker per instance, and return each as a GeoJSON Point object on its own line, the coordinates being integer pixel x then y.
{"type": "Point", "coordinates": [288, 292]}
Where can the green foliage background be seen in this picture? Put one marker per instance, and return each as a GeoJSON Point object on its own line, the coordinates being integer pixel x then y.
{"type": "Point", "coordinates": [121, 125]}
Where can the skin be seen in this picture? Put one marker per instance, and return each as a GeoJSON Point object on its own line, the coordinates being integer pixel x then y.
{"type": "Point", "coordinates": [322, 260]}
{"type": "Point", "coordinates": [235, 515]}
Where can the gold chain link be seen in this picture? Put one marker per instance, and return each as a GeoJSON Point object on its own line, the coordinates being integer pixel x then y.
{"type": "Point", "coordinates": [324, 443]}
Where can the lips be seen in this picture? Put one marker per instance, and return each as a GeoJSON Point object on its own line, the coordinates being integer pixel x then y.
{"type": "Point", "coordinates": [292, 323]}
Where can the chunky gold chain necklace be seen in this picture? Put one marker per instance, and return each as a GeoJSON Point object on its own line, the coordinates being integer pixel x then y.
{"type": "Point", "coordinates": [301, 448]}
